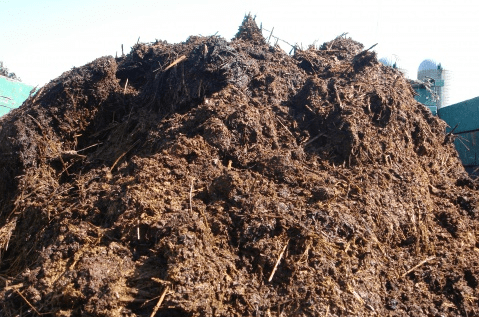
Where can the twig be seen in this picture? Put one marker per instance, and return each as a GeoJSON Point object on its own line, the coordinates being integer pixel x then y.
{"type": "Point", "coordinates": [191, 192]}
{"type": "Point", "coordinates": [337, 37]}
{"type": "Point", "coordinates": [37, 94]}
{"type": "Point", "coordinates": [460, 140]}
{"type": "Point", "coordinates": [21, 295]}
{"type": "Point", "coordinates": [277, 261]}
{"type": "Point", "coordinates": [361, 53]}
{"type": "Point", "coordinates": [138, 230]}
{"type": "Point", "coordinates": [126, 85]}
{"type": "Point", "coordinates": [337, 97]}
{"type": "Point", "coordinates": [176, 61]}
{"type": "Point", "coordinates": [36, 122]}
{"type": "Point", "coordinates": [270, 34]}
{"type": "Point", "coordinates": [119, 158]}
{"type": "Point", "coordinates": [281, 123]}
{"type": "Point", "coordinates": [313, 139]}
{"type": "Point", "coordinates": [448, 136]}
{"type": "Point", "coordinates": [356, 295]}
{"type": "Point", "coordinates": [371, 47]}
{"type": "Point", "coordinates": [26, 300]}
{"type": "Point", "coordinates": [16, 286]}
{"type": "Point", "coordinates": [277, 38]}
{"type": "Point", "coordinates": [71, 154]}
{"type": "Point", "coordinates": [421, 263]}
{"type": "Point", "coordinates": [33, 91]}
{"type": "Point", "coordinates": [307, 107]}
{"type": "Point", "coordinates": [86, 148]}
{"type": "Point", "coordinates": [452, 131]}
{"type": "Point", "coordinates": [11, 108]}
{"type": "Point", "coordinates": [159, 302]}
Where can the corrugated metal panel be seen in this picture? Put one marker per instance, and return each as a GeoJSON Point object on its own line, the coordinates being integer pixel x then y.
{"type": "Point", "coordinates": [12, 94]}
{"type": "Point", "coordinates": [464, 114]}
{"type": "Point", "coordinates": [463, 117]}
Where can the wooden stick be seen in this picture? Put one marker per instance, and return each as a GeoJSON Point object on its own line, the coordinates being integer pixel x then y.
{"type": "Point", "coordinates": [159, 302]}
{"type": "Point", "coordinates": [31, 306]}
{"type": "Point", "coordinates": [11, 108]}
{"type": "Point", "coordinates": [138, 231]}
{"type": "Point", "coordinates": [37, 94]}
{"type": "Point", "coordinates": [7, 288]}
{"type": "Point", "coordinates": [307, 107]}
{"type": "Point", "coordinates": [293, 46]}
{"type": "Point", "coordinates": [337, 96]}
{"type": "Point", "coordinates": [119, 158]}
{"type": "Point", "coordinates": [191, 192]}
{"type": "Point", "coordinates": [277, 262]}
{"type": "Point", "coordinates": [281, 123]}
{"type": "Point", "coordinates": [36, 122]}
{"type": "Point", "coordinates": [313, 139]}
{"type": "Point", "coordinates": [337, 37]}
{"type": "Point", "coordinates": [421, 263]}
{"type": "Point", "coordinates": [14, 288]}
{"type": "Point", "coordinates": [371, 47]}
{"type": "Point", "coordinates": [449, 134]}
{"type": "Point", "coordinates": [270, 34]}
{"type": "Point", "coordinates": [86, 148]}
{"type": "Point", "coordinates": [176, 61]}
{"type": "Point", "coordinates": [126, 85]}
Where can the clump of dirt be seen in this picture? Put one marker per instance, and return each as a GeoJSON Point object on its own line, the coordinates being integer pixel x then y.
{"type": "Point", "coordinates": [216, 178]}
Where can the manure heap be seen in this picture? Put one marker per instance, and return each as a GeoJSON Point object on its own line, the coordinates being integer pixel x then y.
{"type": "Point", "coordinates": [216, 178]}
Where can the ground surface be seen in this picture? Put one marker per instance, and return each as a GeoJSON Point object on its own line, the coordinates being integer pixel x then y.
{"type": "Point", "coordinates": [216, 178]}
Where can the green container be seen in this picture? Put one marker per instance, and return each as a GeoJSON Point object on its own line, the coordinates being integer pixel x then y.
{"type": "Point", "coordinates": [464, 114]}
{"type": "Point", "coordinates": [12, 94]}
{"type": "Point", "coordinates": [463, 118]}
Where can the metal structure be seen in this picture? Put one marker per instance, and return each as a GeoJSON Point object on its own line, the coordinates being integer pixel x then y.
{"type": "Point", "coordinates": [463, 121]}
{"type": "Point", "coordinates": [433, 72]}
{"type": "Point", "coordinates": [425, 94]}
{"type": "Point", "coordinates": [12, 94]}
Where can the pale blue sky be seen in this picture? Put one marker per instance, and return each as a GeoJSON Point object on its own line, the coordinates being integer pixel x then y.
{"type": "Point", "coordinates": [41, 39]}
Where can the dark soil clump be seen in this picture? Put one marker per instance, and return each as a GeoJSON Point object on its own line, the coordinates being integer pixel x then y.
{"type": "Point", "coordinates": [228, 178]}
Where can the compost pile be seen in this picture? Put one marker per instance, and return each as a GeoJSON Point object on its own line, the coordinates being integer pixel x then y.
{"type": "Point", "coordinates": [228, 178]}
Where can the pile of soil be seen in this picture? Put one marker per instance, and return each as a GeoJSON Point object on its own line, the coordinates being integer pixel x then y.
{"type": "Point", "coordinates": [216, 178]}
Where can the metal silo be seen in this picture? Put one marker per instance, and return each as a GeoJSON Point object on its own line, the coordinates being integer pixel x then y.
{"type": "Point", "coordinates": [430, 70]}
{"type": "Point", "coordinates": [394, 62]}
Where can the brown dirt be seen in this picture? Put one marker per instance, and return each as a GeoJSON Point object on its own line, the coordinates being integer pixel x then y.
{"type": "Point", "coordinates": [238, 181]}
